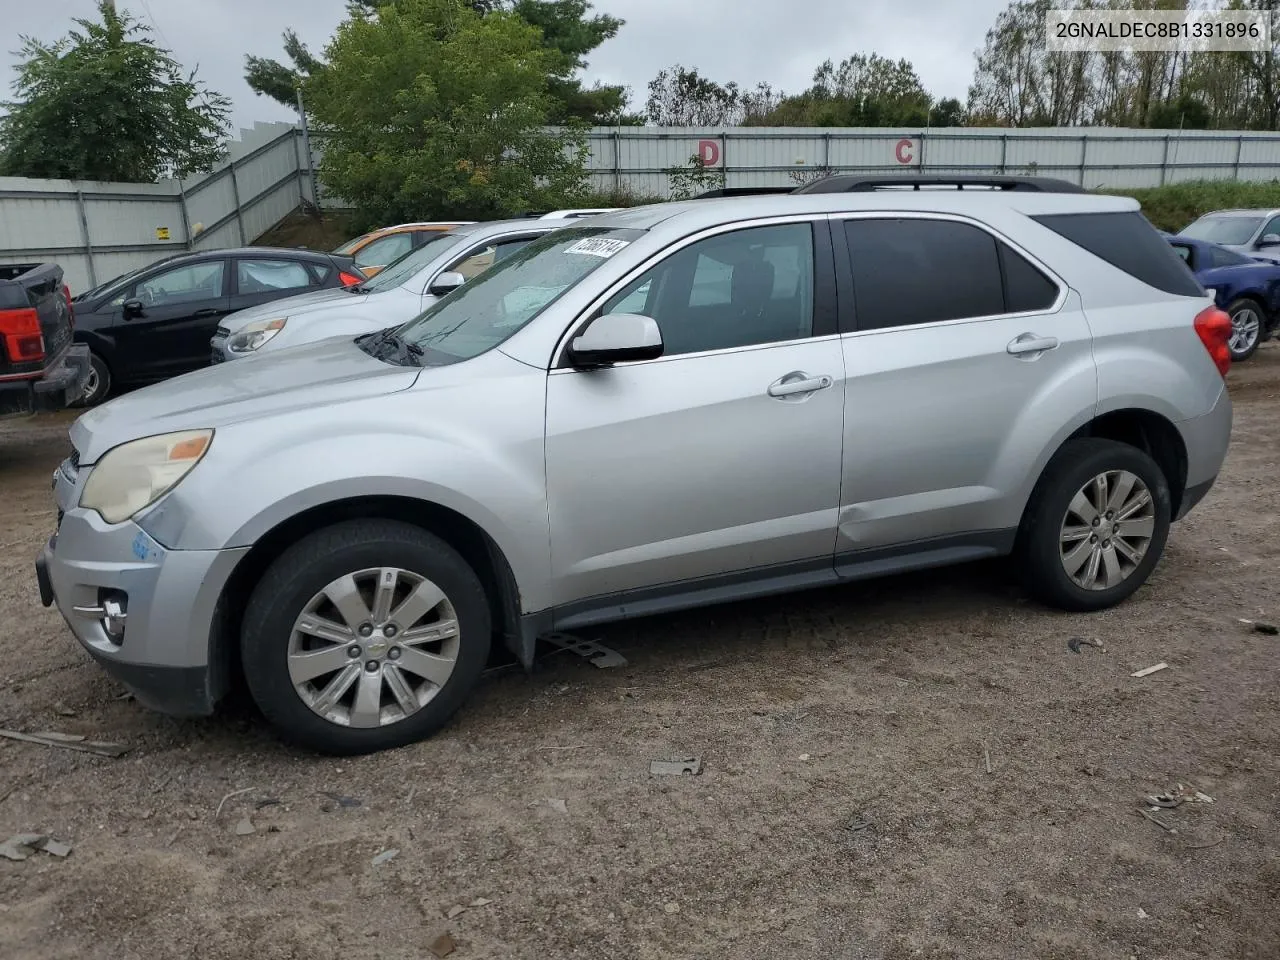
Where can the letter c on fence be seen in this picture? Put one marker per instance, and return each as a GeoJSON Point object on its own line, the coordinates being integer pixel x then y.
{"type": "Point", "coordinates": [709, 152]}
{"type": "Point", "coordinates": [903, 150]}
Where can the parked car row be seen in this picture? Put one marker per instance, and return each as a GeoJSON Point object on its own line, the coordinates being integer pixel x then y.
{"type": "Point", "coordinates": [647, 411]}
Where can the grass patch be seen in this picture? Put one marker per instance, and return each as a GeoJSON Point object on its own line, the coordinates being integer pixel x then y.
{"type": "Point", "coordinates": [309, 231]}
{"type": "Point", "coordinates": [1174, 206]}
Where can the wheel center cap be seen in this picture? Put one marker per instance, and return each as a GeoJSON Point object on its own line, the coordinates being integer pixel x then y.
{"type": "Point", "coordinates": [376, 646]}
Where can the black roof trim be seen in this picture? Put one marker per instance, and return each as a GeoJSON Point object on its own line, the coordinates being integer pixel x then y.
{"type": "Point", "coordinates": [742, 192]}
{"type": "Point", "coordinates": [862, 183]}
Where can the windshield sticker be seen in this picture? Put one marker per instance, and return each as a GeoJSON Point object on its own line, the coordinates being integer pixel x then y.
{"type": "Point", "coordinates": [598, 247]}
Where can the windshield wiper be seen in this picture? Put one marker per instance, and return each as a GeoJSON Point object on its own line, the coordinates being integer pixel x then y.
{"type": "Point", "coordinates": [392, 348]}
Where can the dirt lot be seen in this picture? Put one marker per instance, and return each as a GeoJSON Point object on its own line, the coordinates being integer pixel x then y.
{"type": "Point", "coordinates": [871, 703]}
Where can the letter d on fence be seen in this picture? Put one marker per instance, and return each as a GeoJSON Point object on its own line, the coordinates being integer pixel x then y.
{"type": "Point", "coordinates": [709, 152]}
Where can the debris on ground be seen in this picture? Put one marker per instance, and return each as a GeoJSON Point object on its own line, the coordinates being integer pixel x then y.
{"type": "Point", "coordinates": [68, 741]}
{"type": "Point", "coordinates": [479, 902]}
{"type": "Point", "coordinates": [345, 802]}
{"type": "Point", "coordinates": [671, 907]}
{"type": "Point", "coordinates": [1142, 914]}
{"type": "Point", "coordinates": [1147, 671]}
{"type": "Point", "coordinates": [1176, 797]}
{"type": "Point", "coordinates": [245, 827]}
{"type": "Point", "coordinates": [596, 653]}
{"type": "Point", "coordinates": [858, 824]}
{"type": "Point", "coordinates": [267, 802]}
{"type": "Point", "coordinates": [23, 845]}
{"type": "Point", "coordinates": [62, 710]}
{"type": "Point", "coordinates": [1089, 770]}
{"type": "Point", "coordinates": [986, 756]}
{"type": "Point", "coordinates": [1270, 629]}
{"type": "Point", "coordinates": [455, 911]}
{"type": "Point", "coordinates": [442, 945]}
{"type": "Point", "coordinates": [385, 856]}
{"type": "Point", "coordinates": [675, 768]}
{"type": "Point", "coordinates": [805, 756]}
{"type": "Point", "coordinates": [221, 803]}
{"type": "Point", "coordinates": [1158, 822]}
{"type": "Point", "coordinates": [558, 805]}
{"type": "Point", "coordinates": [1075, 643]}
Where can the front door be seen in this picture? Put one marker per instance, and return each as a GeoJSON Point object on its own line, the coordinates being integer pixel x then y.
{"type": "Point", "coordinates": [720, 461]}
{"type": "Point", "coordinates": [180, 310]}
{"type": "Point", "coordinates": [963, 359]}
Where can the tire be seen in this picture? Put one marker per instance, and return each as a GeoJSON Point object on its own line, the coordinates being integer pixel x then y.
{"type": "Point", "coordinates": [1048, 543]}
{"type": "Point", "coordinates": [295, 592]}
{"type": "Point", "coordinates": [1248, 320]}
{"type": "Point", "coordinates": [98, 386]}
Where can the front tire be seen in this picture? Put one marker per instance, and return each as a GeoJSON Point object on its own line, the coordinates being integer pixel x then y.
{"type": "Point", "coordinates": [98, 385]}
{"type": "Point", "coordinates": [1096, 525]}
{"type": "Point", "coordinates": [364, 636]}
{"type": "Point", "coordinates": [1248, 320]}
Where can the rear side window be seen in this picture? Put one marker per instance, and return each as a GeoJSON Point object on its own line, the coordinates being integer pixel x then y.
{"type": "Point", "coordinates": [1127, 241]}
{"type": "Point", "coordinates": [915, 271]}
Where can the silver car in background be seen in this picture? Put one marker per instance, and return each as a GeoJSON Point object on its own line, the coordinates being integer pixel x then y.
{"type": "Point", "coordinates": [398, 293]}
{"type": "Point", "coordinates": [675, 405]}
{"type": "Point", "coordinates": [1254, 233]}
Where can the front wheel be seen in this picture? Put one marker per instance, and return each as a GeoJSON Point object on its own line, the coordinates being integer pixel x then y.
{"type": "Point", "coordinates": [1096, 525]}
{"type": "Point", "coordinates": [364, 636]}
{"type": "Point", "coordinates": [1246, 328]}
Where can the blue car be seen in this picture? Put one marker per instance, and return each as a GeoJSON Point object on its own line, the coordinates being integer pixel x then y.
{"type": "Point", "coordinates": [1248, 290]}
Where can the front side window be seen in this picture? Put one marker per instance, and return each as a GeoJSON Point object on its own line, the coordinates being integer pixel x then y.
{"type": "Point", "coordinates": [486, 311]}
{"type": "Point", "coordinates": [731, 290]}
{"type": "Point", "coordinates": [198, 281]}
{"type": "Point", "coordinates": [268, 276]}
{"type": "Point", "coordinates": [478, 261]}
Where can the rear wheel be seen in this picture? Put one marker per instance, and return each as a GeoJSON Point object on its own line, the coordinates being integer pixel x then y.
{"type": "Point", "coordinates": [1247, 322]}
{"type": "Point", "coordinates": [97, 386]}
{"type": "Point", "coordinates": [364, 636]}
{"type": "Point", "coordinates": [1096, 525]}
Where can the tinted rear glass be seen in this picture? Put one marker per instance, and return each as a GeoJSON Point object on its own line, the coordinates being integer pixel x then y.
{"type": "Point", "coordinates": [1026, 288]}
{"type": "Point", "coordinates": [1129, 242]}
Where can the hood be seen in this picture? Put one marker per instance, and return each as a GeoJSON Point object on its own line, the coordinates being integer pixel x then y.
{"type": "Point", "coordinates": [291, 306]}
{"type": "Point", "coordinates": [317, 375]}
{"type": "Point", "coordinates": [389, 309]}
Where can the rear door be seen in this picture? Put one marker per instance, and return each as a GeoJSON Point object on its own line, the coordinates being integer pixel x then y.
{"type": "Point", "coordinates": [181, 307]}
{"type": "Point", "coordinates": [958, 348]}
{"type": "Point", "coordinates": [259, 280]}
{"type": "Point", "coordinates": [718, 463]}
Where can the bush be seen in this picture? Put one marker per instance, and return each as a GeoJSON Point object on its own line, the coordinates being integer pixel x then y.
{"type": "Point", "coordinates": [1174, 206]}
{"type": "Point", "coordinates": [623, 196]}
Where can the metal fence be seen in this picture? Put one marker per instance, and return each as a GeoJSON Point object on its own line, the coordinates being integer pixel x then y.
{"type": "Point", "coordinates": [638, 159]}
{"type": "Point", "coordinates": [97, 231]}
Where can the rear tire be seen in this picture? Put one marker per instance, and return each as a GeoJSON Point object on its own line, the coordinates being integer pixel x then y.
{"type": "Point", "coordinates": [1248, 320]}
{"type": "Point", "coordinates": [386, 663]}
{"type": "Point", "coordinates": [1070, 561]}
{"type": "Point", "coordinates": [98, 386]}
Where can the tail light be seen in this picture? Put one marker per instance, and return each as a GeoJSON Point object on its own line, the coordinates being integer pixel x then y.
{"type": "Point", "coordinates": [348, 279]}
{"type": "Point", "coordinates": [71, 307]}
{"type": "Point", "coordinates": [20, 331]}
{"type": "Point", "coordinates": [1213, 326]}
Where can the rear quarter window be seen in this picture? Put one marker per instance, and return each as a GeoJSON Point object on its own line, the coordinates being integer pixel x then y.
{"type": "Point", "coordinates": [1128, 242]}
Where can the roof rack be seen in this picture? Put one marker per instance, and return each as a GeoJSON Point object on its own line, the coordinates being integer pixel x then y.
{"type": "Point", "coordinates": [742, 192]}
{"type": "Point", "coordinates": [861, 183]}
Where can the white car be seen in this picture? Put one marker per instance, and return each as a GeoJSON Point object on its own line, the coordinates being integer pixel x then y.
{"type": "Point", "coordinates": [397, 294]}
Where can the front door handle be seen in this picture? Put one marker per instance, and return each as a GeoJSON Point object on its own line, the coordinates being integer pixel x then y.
{"type": "Point", "coordinates": [1031, 343]}
{"type": "Point", "coordinates": [796, 383]}
{"type": "Point", "coordinates": [207, 312]}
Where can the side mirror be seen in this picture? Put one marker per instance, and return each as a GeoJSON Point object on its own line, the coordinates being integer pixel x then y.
{"type": "Point", "coordinates": [132, 308]}
{"type": "Point", "coordinates": [1269, 240]}
{"type": "Point", "coordinates": [616, 338]}
{"type": "Point", "coordinates": [447, 282]}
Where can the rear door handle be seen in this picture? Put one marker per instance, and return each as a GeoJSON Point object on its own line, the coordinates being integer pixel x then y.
{"type": "Point", "coordinates": [207, 312]}
{"type": "Point", "coordinates": [1031, 343]}
{"type": "Point", "coordinates": [796, 383]}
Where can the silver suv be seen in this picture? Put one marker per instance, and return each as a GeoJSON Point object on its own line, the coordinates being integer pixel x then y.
{"type": "Point", "coordinates": [671, 406]}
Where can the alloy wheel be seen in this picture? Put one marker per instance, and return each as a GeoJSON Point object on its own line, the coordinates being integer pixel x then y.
{"type": "Point", "coordinates": [1107, 529]}
{"type": "Point", "coordinates": [1246, 325]}
{"type": "Point", "coordinates": [373, 647]}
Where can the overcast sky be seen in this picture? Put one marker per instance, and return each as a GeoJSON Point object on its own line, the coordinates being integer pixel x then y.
{"type": "Point", "coordinates": [780, 41]}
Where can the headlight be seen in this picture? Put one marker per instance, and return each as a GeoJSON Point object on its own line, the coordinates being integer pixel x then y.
{"type": "Point", "coordinates": [137, 474]}
{"type": "Point", "coordinates": [255, 335]}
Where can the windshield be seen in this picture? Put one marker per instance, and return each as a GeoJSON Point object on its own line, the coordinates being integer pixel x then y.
{"type": "Point", "coordinates": [401, 270]}
{"type": "Point", "coordinates": [1220, 229]}
{"type": "Point", "coordinates": [487, 310]}
{"type": "Point", "coordinates": [121, 281]}
{"type": "Point", "coordinates": [352, 244]}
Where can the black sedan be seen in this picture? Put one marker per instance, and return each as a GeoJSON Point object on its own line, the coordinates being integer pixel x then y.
{"type": "Point", "coordinates": [156, 322]}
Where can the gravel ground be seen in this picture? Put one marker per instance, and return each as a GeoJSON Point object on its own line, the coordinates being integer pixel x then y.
{"type": "Point", "coordinates": [845, 808]}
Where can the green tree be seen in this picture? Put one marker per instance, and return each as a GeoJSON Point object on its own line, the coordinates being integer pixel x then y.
{"type": "Point", "coordinates": [864, 90]}
{"type": "Point", "coordinates": [569, 33]}
{"type": "Point", "coordinates": [105, 103]}
{"type": "Point", "coordinates": [431, 110]}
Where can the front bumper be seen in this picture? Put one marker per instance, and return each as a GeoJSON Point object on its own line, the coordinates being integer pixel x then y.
{"type": "Point", "coordinates": [162, 650]}
{"type": "Point", "coordinates": [58, 387]}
